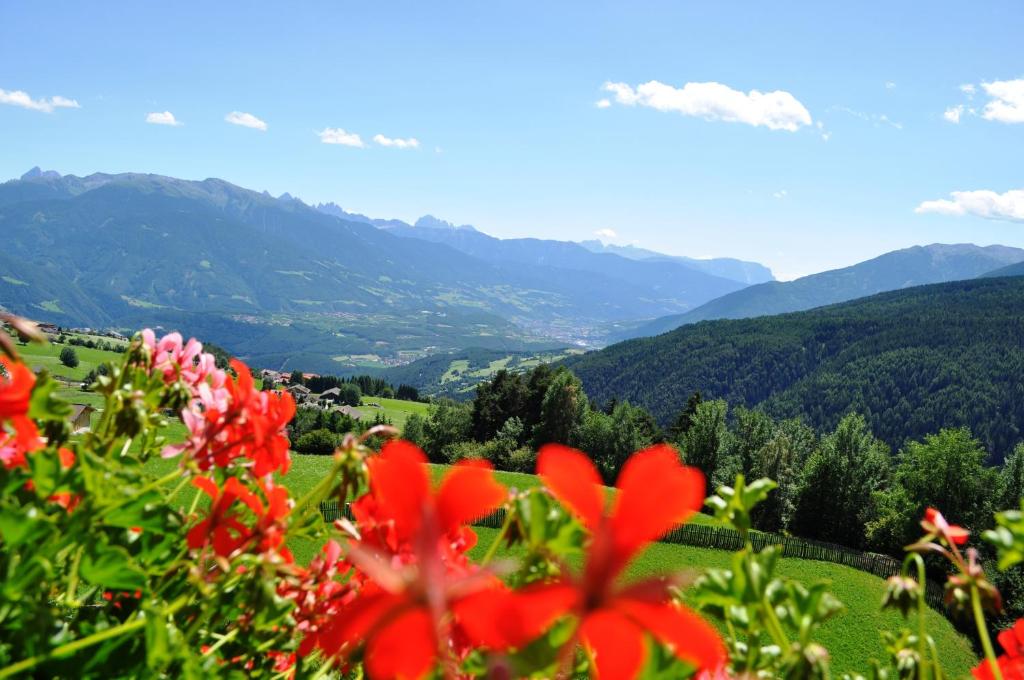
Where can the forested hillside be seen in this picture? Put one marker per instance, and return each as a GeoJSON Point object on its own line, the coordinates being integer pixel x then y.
{"type": "Point", "coordinates": [912, 362]}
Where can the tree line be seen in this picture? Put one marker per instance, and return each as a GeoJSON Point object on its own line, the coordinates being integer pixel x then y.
{"type": "Point", "coordinates": [371, 386]}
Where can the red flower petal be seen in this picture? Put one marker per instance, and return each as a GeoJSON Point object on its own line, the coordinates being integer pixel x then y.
{"type": "Point", "coordinates": [406, 647]}
{"type": "Point", "coordinates": [26, 433]}
{"type": "Point", "coordinates": [615, 645]}
{"type": "Point", "coordinates": [197, 535]}
{"type": "Point", "coordinates": [207, 486]}
{"type": "Point", "coordinates": [352, 624]}
{"type": "Point", "coordinates": [468, 492]}
{"type": "Point", "coordinates": [656, 492]}
{"type": "Point", "coordinates": [501, 619]}
{"type": "Point", "coordinates": [571, 476]}
{"type": "Point", "coordinates": [233, 489]}
{"type": "Point", "coordinates": [692, 638]}
{"type": "Point", "coordinates": [398, 477]}
{"type": "Point", "coordinates": [15, 389]}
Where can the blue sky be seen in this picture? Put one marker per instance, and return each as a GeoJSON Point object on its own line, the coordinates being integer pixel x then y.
{"type": "Point", "coordinates": [503, 98]}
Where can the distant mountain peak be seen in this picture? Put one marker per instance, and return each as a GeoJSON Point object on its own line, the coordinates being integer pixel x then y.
{"type": "Point", "coordinates": [38, 173]}
{"type": "Point", "coordinates": [431, 222]}
{"type": "Point", "coordinates": [288, 198]}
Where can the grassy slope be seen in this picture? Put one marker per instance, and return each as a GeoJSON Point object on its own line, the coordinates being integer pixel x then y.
{"type": "Point", "coordinates": [47, 356]}
{"type": "Point", "coordinates": [396, 410]}
{"type": "Point", "coordinates": [853, 637]}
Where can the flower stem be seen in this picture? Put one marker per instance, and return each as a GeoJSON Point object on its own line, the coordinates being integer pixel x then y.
{"type": "Point", "coordinates": [224, 639]}
{"type": "Point", "coordinates": [986, 642]}
{"type": "Point", "coordinates": [313, 497]}
{"type": "Point", "coordinates": [493, 549]}
{"type": "Point", "coordinates": [922, 607]}
{"type": "Point", "coordinates": [70, 597]}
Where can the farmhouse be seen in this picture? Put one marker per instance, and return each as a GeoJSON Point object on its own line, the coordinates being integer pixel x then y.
{"type": "Point", "coordinates": [333, 394]}
{"type": "Point", "coordinates": [353, 413]}
{"type": "Point", "coordinates": [80, 417]}
{"type": "Point", "coordinates": [301, 393]}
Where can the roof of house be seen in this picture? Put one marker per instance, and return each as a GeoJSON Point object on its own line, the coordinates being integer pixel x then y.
{"type": "Point", "coordinates": [351, 412]}
{"type": "Point", "coordinates": [78, 409]}
{"type": "Point", "coordinates": [299, 388]}
{"type": "Point", "coordinates": [333, 392]}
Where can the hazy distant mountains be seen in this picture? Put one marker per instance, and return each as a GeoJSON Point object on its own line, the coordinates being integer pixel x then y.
{"type": "Point", "coordinates": [550, 252]}
{"type": "Point", "coordinates": [726, 267]}
{"type": "Point", "coordinates": [273, 279]}
{"type": "Point", "coordinates": [892, 271]}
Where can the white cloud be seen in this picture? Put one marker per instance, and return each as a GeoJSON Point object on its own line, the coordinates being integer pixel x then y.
{"type": "Point", "coordinates": [397, 143]}
{"type": "Point", "coordinates": [606, 234]}
{"type": "Point", "coordinates": [165, 118]}
{"type": "Point", "coordinates": [246, 120]}
{"type": "Point", "coordinates": [339, 136]}
{"type": "Point", "coordinates": [967, 89]}
{"type": "Point", "coordinates": [602, 103]}
{"type": "Point", "coordinates": [781, 193]}
{"type": "Point", "coordinates": [778, 110]}
{"type": "Point", "coordinates": [1007, 104]}
{"type": "Point", "coordinates": [953, 113]}
{"type": "Point", "coordinates": [983, 203]}
{"type": "Point", "coordinates": [22, 99]}
{"type": "Point", "coordinates": [889, 85]}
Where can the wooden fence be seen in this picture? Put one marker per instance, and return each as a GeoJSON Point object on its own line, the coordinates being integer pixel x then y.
{"type": "Point", "coordinates": [723, 538]}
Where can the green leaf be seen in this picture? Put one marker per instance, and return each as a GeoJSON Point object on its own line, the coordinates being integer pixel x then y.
{"type": "Point", "coordinates": [147, 512]}
{"type": "Point", "coordinates": [46, 472]}
{"type": "Point", "coordinates": [111, 567]}
{"type": "Point", "coordinates": [158, 653]}
{"type": "Point", "coordinates": [45, 405]}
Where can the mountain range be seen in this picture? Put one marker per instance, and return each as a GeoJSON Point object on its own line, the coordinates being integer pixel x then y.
{"type": "Point", "coordinates": [276, 280]}
{"type": "Point", "coordinates": [905, 268]}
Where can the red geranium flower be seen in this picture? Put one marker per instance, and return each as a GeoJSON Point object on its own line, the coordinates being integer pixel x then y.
{"type": "Point", "coordinates": [404, 609]}
{"type": "Point", "coordinates": [655, 493]}
{"type": "Point", "coordinates": [936, 525]}
{"type": "Point", "coordinates": [15, 392]}
{"type": "Point", "coordinates": [1011, 663]}
{"type": "Point", "coordinates": [223, 526]}
{"type": "Point", "coordinates": [237, 420]}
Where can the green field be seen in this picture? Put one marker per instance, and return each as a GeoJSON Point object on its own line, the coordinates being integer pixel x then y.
{"type": "Point", "coordinates": [396, 410]}
{"type": "Point", "coordinates": [47, 356]}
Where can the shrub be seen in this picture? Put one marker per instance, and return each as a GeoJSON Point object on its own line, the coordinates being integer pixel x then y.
{"type": "Point", "coordinates": [523, 459]}
{"type": "Point", "coordinates": [69, 357]}
{"type": "Point", "coordinates": [321, 441]}
{"type": "Point", "coordinates": [466, 450]}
